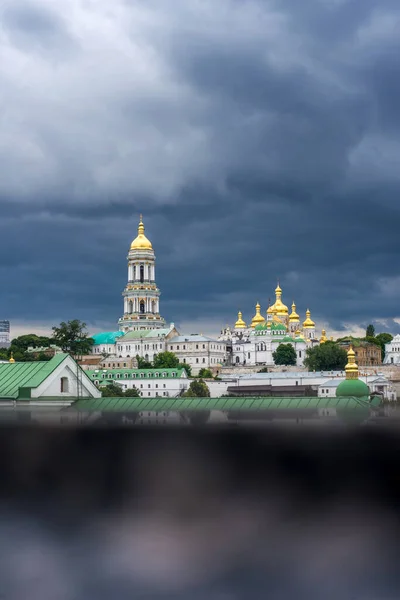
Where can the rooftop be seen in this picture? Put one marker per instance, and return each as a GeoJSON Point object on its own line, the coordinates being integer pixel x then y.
{"type": "Point", "coordinates": [107, 337]}
{"type": "Point", "coordinates": [15, 377]}
{"type": "Point", "coordinates": [194, 337]}
{"type": "Point", "coordinates": [96, 374]}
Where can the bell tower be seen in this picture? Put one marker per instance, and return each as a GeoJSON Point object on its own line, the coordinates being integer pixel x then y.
{"type": "Point", "coordinates": [141, 294]}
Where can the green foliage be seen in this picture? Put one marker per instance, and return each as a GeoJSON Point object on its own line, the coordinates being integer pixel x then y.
{"type": "Point", "coordinates": [285, 354]}
{"type": "Point", "coordinates": [143, 363]}
{"type": "Point", "coordinates": [113, 390]}
{"type": "Point", "coordinates": [370, 332]}
{"type": "Point", "coordinates": [381, 340]}
{"type": "Point", "coordinates": [165, 360]}
{"type": "Point", "coordinates": [205, 373]}
{"type": "Point", "coordinates": [197, 389]}
{"type": "Point", "coordinates": [72, 337]}
{"type": "Point", "coordinates": [187, 368]}
{"type": "Point", "coordinates": [326, 357]}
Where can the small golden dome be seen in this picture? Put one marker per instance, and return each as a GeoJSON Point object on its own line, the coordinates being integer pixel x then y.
{"type": "Point", "coordinates": [351, 368]}
{"type": "Point", "coordinates": [258, 319]}
{"type": "Point", "coordinates": [279, 308]}
{"type": "Point", "coordinates": [308, 323]}
{"type": "Point", "coordinates": [323, 337]}
{"type": "Point", "coordinates": [141, 242]}
{"type": "Point", "coordinates": [12, 359]}
{"type": "Point", "coordinates": [294, 317]}
{"type": "Point", "coordinates": [240, 324]}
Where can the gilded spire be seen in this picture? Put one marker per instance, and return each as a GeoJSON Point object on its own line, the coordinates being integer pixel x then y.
{"type": "Point", "coordinates": [351, 368]}
{"type": "Point", "coordinates": [240, 324]}
{"type": "Point", "coordinates": [323, 337]}
{"type": "Point", "coordinates": [141, 242]}
{"type": "Point", "coordinates": [294, 317]}
{"type": "Point", "coordinates": [279, 308]}
{"type": "Point", "coordinates": [12, 359]}
{"type": "Point", "coordinates": [308, 323]}
{"type": "Point", "coordinates": [258, 319]}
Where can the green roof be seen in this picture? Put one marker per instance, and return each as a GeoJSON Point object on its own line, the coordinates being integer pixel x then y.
{"type": "Point", "coordinates": [133, 373]}
{"type": "Point", "coordinates": [142, 333]}
{"type": "Point", "coordinates": [222, 404]}
{"type": "Point", "coordinates": [287, 338]}
{"type": "Point", "coordinates": [107, 337]}
{"type": "Point", "coordinates": [352, 387]}
{"type": "Point", "coordinates": [278, 327]}
{"type": "Point", "coordinates": [17, 379]}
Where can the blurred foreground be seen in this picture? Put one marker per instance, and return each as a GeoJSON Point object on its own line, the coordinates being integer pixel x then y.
{"type": "Point", "coordinates": [115, 513]}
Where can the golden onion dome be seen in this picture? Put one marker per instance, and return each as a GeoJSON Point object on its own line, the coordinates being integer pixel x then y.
{"type": "Point", "coordinates": [308, 323]}
{"type": "Point", "coordinates": [258, 319]}
{"type": "Point", "coordinates": [294, 317]}
{"type": "Point", "coordinates": [323, 337]}
{"type": "Point", "coordinates": [141, 242]}
{"type": "Point", "coordinates": [12, 359]}
{"type": "Point", "coordinates": [279, 308]}
{"type": "Point", "coordinates": [240, 324]}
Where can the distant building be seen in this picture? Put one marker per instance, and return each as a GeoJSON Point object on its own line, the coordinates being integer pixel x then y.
{"type": "Point", "coordinates": [367, 354]}
{"type": "Point", "coordinates": [392, 351]}
{"type": "Point", "coordinates": [4, 334]}
{"type": "Point", "coordinates": [150, 383]}
{"type": "Point", "coordinates": [198, 351]}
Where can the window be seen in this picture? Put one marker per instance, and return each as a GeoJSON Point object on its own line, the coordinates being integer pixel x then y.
{"type": "Point", "coordinates": [96, 382]}
{"type": "Point", "coordinates": [124, 364]}
{"type": "Point", "coordinates": [156, 385]}
{"type": "Point", "coordinates": [157, 374]}
{"type": "Point", "coordinates": [197, 346]}
{"type": "Point", "coordinates": [149, 394]}
{"type": "Point", "coordinates": [204, 360]}
{"type": "Point", "coordinates": [184, 347]}
{"type": "Point", "coordinates": [109, 376]}
{"type": "Point", "coordinates": [64, 385]}
{"type": "Point", "coordinates": [197, 360]}
{"type": "Point", "coordinates": [164, 386]}
{"type": "Point", "coordinates": [141, 374]}
{"type": "Point", "coordinates": [173, 374]}
{"type": "Point", "coordinates": [141, 385]}
{"type": "Point", "coordinates": [118, 375]}
{"type": "Point", "coordinates": [204, 346]}
{"type": "Point", "coordinates": [177, 347]}
{"type": "Point", "coordinates": [148, 385]}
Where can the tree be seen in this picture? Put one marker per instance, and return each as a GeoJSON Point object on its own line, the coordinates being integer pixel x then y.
{"type": "Point", "coordinates": [187, 368]}
{"type": "Point", "coordinates": [326, 357]}
{"type": "Point", "coordinates": [205, 373]}
{"type": "Point", "coordinates": [143, 363]}
{"type": "Point", "coordinates": [72, 337]}
{"type": "Point", "coordinates": [197, 389]}
{"type": "Point", "coordinates": [165, 360]}
{"type": "Point", "coordinates": [370, 332]}
{"type": "Point", "coordinates": [111, 390]}
{"type": "Point", "coordinates": [285, 354]}
{"type": "Point", "coordinates": [131, 393]}
{"type": "Point", "coordinates": [382, 339]}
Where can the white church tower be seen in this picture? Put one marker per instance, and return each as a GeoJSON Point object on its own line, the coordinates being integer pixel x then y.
{"type": "Point", "coordinates": [141, 294]}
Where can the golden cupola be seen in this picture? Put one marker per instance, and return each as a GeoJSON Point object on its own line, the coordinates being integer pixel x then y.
{"type": "Point", "coordinates": [308, 323]}
{"type": "Point", "coordinates": [240, 324]}
{"type": "Point", "coordinates": [141, 242]}
{"type": "Point", "coordinates": [12, 359]}
{"type": "Point", "coordinates": [294, 317]}
{"type": "Point", "coordinates": [279, 308]}
{"type": "Point", "coordinates": [351, 368]}
{"type": "Point", "coordinates": [323, 337]}
{"type": "Point", "coordinates": [258, 319]}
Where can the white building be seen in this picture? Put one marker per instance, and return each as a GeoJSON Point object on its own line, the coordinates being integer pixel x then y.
{"type": "Point", "coordinates": [4, 334]}
{"type": "Point", "coordinates": [377, 384]}
{"type": "Point", "coordinates": [141, 294]}
{"type": "Point", "coordinates": [145, 344]}
{"type": "Point", "coordinates": [392, 352]}
{"type": "Point", "coordinates": [198, 351]}
{"type": "Point", "coordinates": [150, 383]}
{"type": "Point", "coordinates": [255, 344]}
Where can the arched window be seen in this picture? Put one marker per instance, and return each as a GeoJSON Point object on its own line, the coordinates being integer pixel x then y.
{"type": "Point", "coordinates": [142, 307]}
{"type": "Point", "coordinates": [64, 385]}
{"type": "Point", "coordinates": [141, 273]}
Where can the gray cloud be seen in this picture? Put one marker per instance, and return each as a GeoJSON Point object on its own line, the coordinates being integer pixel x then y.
{"type": "Point", "coordinates": [260, 139]}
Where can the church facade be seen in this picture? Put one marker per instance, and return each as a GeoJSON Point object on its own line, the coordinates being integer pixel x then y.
{"type": "Point", "coordinates": [255, 344]}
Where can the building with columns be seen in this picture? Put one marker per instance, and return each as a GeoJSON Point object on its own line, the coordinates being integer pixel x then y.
{"type": "Point", "coordinates": [141, 294]}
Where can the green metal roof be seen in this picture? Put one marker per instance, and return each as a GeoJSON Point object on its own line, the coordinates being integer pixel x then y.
{"type": "Point", "coordinates": [278, 327]}
{"type": "Point", "coordinates": [107, 337]}
{"type": "Point", "coordinates": [222, 404]}
{"type": "Point", "coordinates": [137, 373]}
{"type": "Point", "coordinates": [16, 379]}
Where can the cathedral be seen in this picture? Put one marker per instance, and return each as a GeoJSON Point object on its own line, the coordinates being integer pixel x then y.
{"type": "Point", "coordinates": [256, 343]}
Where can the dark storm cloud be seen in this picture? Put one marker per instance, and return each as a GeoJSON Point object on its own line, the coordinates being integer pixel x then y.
{"type": "Point", "coordinates": [260, 140]}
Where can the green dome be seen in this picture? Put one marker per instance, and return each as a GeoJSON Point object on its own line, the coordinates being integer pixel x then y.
{"type": "Point", "coordinates": [352, 387]}
{"type": "Point", "coordinates": [260, 327]}
{"type": "Point", "coordinates": [287, 338]}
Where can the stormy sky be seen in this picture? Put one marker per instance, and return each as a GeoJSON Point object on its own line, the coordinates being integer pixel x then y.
{"type": "Point", "coordinates": [259, 138]}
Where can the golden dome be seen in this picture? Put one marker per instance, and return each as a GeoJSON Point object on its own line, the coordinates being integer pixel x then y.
{"type": "Point", "coordinates": [351, 368]}
{"type": "Point", "coordinates": [141, 242]}
{"type": "Point", "coordinates": [279, 308]}
{"type": "Point", "coordinates": [258, 319]}
{"type": "Point", "coordinates": [323, 337]}
{"type": "Point", "coordinates": [240, 324]}
{"type": "Point", "coordinates": [12, 359]}
{"type": "Point", "coordinates": [270, 310]}
{"type": "Point", "coordinates": [294, 317]}
{"type": "Point", "coordinates": [308, 323]}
